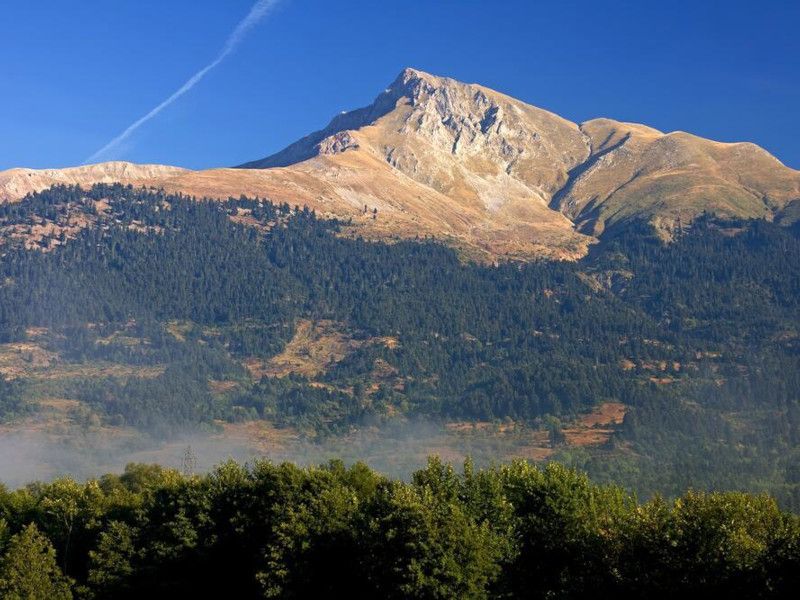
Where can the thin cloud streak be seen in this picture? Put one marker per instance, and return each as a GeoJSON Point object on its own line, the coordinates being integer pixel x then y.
{"type": "Point", "coordinates": [259, 10]}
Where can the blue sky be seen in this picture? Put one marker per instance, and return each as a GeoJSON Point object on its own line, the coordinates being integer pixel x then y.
{"type": "Point", "coordinates": [76, 73]}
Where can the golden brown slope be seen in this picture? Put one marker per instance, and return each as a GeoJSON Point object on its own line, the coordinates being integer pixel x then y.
{"type": "Point", "coordinates": [17, 183]}
{"type": "Point", "coordinates": [506, 160]}
{"type": "Point", "coordinates": [461, 161]}
{"type": "Point", "coordinates": [488, 173]}
{"type": "Point", "coordinates": [636, 172]}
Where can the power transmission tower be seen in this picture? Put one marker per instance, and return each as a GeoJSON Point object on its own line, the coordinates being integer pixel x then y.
{"type": "Point", "coordinates": [189, 462]}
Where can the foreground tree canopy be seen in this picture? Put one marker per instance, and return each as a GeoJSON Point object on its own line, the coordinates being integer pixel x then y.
{"type": "Point", "coordinates": [281, 531]}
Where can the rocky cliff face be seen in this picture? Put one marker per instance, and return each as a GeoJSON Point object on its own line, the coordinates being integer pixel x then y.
{"type": "Point", "coordinates": [488, 173]}
{"type": "Point", "coordinates": [464, 141]}
{"type": "Point", "coordinates": [455, 138]}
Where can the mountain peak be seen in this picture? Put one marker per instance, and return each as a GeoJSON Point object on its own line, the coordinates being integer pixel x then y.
{"type": "Point", "coordinates": [411, 78]}
{"type": "Point", "coordinates": [449, 113]}
{"type": "Point", "coordinates": [503, 178]}
{"type": "Point", "coordinates": [410, 74]}
{"type": "Point", "coordinates": [466, 160]}
{"type": "Point", "coordinates": [410, 84]}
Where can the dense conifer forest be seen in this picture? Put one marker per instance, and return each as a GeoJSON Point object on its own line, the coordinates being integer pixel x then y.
{"type": "Point", "coordinates": [698, 337]}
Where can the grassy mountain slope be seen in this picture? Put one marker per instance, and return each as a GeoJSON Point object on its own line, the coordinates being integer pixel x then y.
{"type": "Point", "coordinates": [489, 174]}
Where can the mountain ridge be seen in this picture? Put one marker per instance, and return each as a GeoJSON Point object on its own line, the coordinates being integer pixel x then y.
{"type": "Point", "coordinates": [498, 177]}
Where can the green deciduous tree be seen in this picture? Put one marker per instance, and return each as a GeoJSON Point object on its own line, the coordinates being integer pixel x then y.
{"type": "Point", "coordinates": [29, 571]}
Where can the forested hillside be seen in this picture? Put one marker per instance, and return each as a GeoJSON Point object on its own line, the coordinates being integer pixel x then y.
{"type": "Point", "coordinates": [167, 314]}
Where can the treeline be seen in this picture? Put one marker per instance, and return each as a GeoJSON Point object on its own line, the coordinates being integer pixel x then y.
{"type": "Point", "coordinates": [280, 531]}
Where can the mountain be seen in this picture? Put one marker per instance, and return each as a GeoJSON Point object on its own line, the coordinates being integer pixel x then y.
{"type": "Point", "coordinates": [490, 174]}
{"type": "Point", "coordinates": [511, 160]}
{"type": "Point", "coordinates": [463, 160]}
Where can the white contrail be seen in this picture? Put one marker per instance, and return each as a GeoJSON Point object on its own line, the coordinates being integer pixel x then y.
{"type": "Point", "coordinates": [260, 9]}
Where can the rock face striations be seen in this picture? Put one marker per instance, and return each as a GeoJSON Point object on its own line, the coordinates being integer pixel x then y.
{"type": "Point", "coordinates": [453, 160]}
{"type": "Point", "coordinates": [490, 174]}
{"type": "Point", "coordinates": [457, 139]}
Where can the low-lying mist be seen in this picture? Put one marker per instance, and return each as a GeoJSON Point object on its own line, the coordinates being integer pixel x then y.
{"type": "Point", "coordinates": [396, 450]}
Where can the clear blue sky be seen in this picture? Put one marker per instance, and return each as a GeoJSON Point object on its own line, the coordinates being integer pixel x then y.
{"type": "Point", "coordinates": [75, 74]}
